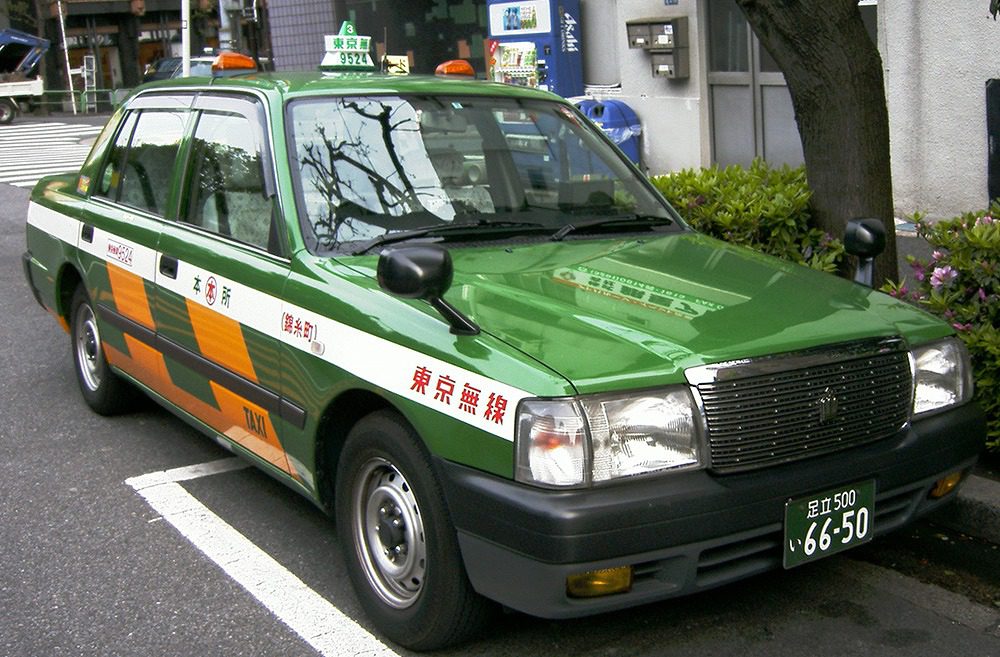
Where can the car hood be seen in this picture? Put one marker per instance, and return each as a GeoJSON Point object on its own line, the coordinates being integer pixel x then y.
{"type": "Point", "coordinates": [611, 315]}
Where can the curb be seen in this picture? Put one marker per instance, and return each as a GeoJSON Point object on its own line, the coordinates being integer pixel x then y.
{"type": "Point", "coordinates": [976, 510]}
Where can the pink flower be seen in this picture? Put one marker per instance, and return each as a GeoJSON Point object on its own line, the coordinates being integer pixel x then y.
{"type": "Point", "coordinates": [985, 219]}
{"type": "Point", "coordinates": [900, 293]}
{"type": "Point", "coordinates": [918, 270]}
{"type": "Point", "coordinates": [937, 255]}
{"type": "Point", "coordinates": [943, 276]}
{"type": "Point", "coordinates": [982, 294]}
{"type": "Point", "coordinates": [962, 327]}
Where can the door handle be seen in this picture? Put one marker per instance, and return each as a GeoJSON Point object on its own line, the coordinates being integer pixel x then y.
{"type": "Point", "coordinates": [168, 266]}
{"type": "Point", "coordinates": [87, 233]}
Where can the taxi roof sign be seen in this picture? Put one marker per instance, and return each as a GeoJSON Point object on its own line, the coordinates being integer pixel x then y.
{"type": "Point", "coordinates": [347, 51]}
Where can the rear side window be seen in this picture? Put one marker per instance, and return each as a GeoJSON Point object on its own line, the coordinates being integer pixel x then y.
{"type": "Point", "coordinates": [110, 179]}
{"type": "Point", "coordinates": [138, 173]}
{"type": "Point", "coordinates": [226, 193]}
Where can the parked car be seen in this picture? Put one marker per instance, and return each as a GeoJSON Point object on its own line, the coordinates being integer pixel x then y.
{"type": "Point", "coordinates": [225, 64]}
{"type": "Point", "coordinates": [201, 65]}
{"type": "Point", "coordinates": [533, 386]}
{"type": "Point", "coordinates": [161, 69]}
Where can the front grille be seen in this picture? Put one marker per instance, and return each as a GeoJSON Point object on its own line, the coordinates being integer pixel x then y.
{"type": "Point", "coordinates": [762, 412]}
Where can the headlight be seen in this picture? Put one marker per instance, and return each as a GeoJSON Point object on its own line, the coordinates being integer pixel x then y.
{"type": "Point", "coordinates": [942, 376]}
{"type": "Point", "coordinates": [595, 439]}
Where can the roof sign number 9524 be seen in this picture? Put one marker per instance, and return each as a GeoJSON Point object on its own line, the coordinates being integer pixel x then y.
{"type": "Point", "coordinates": [828, 522]}
{"type": "Point", "coordinates": [353, 58]}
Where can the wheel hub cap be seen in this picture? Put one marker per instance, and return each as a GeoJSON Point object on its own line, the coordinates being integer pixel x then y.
{"type": "Point", "coordinates": [389, 534]}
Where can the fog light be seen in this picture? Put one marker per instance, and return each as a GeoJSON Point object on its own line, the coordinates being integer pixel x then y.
{"type": "Point", "coordinates": [599, 582]}
{"type": "Point", "coordinates": [945, 485]}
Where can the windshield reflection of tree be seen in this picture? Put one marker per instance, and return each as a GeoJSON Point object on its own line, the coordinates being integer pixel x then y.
{"type": "Point", "coordinates": [370, 170]}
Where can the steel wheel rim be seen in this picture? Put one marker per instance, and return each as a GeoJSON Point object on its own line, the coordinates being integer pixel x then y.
{"type": "Point", "coordinates": [88, 348]}
{"type": "Point", "coordinates": [389, 533]}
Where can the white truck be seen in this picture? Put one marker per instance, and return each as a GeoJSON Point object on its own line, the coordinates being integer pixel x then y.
{"type": "Point", "coordinates": [19, 56]}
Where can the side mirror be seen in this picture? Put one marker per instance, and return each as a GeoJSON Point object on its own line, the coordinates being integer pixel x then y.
{"type": "Point", "coordinates": [423, 272]}
{"type": "Point", "coordinates": [865, 239]}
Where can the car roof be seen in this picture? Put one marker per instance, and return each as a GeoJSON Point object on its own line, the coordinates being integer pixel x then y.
{"type": "Point", "coordinates": [297, 84]}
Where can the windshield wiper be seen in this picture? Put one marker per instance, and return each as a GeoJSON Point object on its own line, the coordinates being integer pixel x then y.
{"type": "Point", "coordinates": [629, 220]}
{"type": "Point", "coordinates": [476, 227]}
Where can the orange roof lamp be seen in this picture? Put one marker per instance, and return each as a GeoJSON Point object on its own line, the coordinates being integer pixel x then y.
{"type": "Point", "coordinates": [455, 67]}
{"type": "Point", "coordinates": [233, 61]}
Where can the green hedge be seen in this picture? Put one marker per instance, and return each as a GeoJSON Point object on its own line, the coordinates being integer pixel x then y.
{"type": "Point", "coordinates": [961, 283]}
{"type": "Point", "coordinates": [763, 208]}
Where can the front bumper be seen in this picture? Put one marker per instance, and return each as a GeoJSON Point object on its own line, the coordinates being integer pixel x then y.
{"type": "Point", "coordinates": [682, 532]}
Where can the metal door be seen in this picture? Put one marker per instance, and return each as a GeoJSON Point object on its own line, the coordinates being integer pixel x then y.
{"type": "Point", "coordinates": [751, 108]}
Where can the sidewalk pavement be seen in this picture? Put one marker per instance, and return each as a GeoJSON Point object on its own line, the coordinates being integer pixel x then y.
{"type": "Point", "coordinates": [975, 511]}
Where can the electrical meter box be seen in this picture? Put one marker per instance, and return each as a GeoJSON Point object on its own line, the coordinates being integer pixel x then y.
{"type": "Point", "coordinates": [666, 41]}
{"type": "Point", "coordinates": [669, 64]}
{"type": "Point", "coordinates": [658, 33]}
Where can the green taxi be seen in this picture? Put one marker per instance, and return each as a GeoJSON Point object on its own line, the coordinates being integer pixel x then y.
{"type": "Point", "coordinates": [454, 316]}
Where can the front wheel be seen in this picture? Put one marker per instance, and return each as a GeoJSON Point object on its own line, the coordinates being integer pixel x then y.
{"type": "Point", "coordinates": [401, 550]}
{"type": "Point", "coordinates": [103, 390]}
{"type": "Point", "coordinates": [7, 110]}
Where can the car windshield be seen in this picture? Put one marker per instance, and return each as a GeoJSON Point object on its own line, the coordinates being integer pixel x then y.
{"type": "Point", "coordinates": [366, 168]}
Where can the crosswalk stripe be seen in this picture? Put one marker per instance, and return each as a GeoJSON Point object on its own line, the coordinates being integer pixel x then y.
{"type": "Point", "coordinates": [32, 174]}
{"type": "Point", "coordinates": [71, 154]}
{"type": "Point", "coordinates": [49, 138]}
{"type": "Point", "coordinates": [29, 151]}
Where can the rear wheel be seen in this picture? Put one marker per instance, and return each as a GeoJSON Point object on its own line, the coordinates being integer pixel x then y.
{"type": "Point", "coordinates": [400, 547]}
{"type": "Point", "coordinates": [103, 390]}
{"type": "Point", "coordinates": [7, 111]}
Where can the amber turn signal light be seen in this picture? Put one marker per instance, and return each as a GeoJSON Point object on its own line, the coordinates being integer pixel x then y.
{"type": "Point", "coordinates": [599, 582]}
{"type": "Point", "coordinates": [946, 484]}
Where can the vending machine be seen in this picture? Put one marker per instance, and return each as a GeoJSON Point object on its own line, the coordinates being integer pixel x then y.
{"type": "Point", "coordinates": [536, 43]}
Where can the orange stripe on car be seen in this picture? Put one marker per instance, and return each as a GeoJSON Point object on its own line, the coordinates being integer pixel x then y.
{"type": "Point", "coordinates": [129, 292]}
{"type": "Point", "coordinates": [250, 427]}
{"type": "Point", "coordinates": [220, 339]}
{"type": "Point", "coordinates": [238, 419]}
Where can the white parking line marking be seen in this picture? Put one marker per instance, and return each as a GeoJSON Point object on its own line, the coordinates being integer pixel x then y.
{"type": "Point", "coordinates": [308, 614]}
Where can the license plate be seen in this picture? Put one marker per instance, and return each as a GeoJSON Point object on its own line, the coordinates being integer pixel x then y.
{"type": "Point", "coordinates": [826, 523]}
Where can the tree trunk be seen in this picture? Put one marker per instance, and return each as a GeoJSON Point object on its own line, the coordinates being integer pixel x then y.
{"type": "Point", "coordinates": [834, 76]}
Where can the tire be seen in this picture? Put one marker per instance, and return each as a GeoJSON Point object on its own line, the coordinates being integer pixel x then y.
{"type": "Point", "coordinates": [104, 391]}
{"type": "Point", "coordinates": [399, 546]}
{"type": "Point", "coordinates": [7, 111]}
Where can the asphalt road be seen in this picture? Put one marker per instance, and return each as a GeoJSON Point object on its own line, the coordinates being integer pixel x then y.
{"type": "Point", "coordinates": [89, 567]}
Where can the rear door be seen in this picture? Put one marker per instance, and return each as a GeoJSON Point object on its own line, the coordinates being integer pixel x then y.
{"type": "Point", "coordinates": [220, 272]}
{"type": "Point", "coordinates": [120, 228]}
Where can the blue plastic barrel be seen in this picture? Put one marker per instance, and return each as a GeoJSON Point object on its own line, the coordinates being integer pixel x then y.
{"type": "Point", "coordinates": [618, 121]}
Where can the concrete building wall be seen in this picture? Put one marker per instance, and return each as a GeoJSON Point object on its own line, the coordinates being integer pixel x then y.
{"type": "Point", "coordinates": [297, 30]}
{"type": "Point", "coordinates": [937, 58]}
{"type": "Point", "coordinates": [674, 113]}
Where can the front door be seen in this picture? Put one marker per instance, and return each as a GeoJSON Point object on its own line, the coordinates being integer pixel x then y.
{"type": "Point", "coordinates": [220, 275]}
